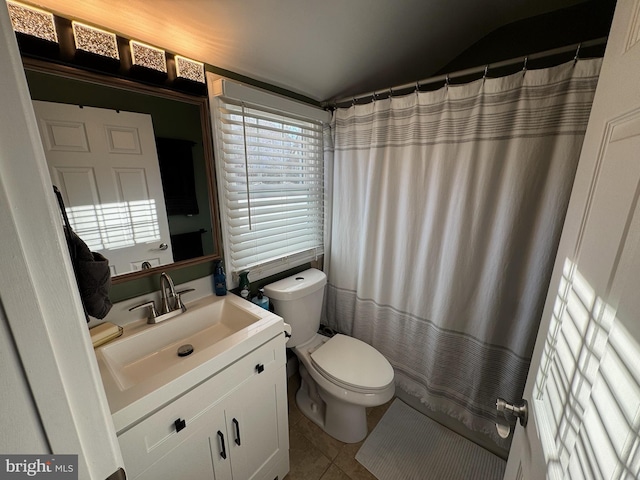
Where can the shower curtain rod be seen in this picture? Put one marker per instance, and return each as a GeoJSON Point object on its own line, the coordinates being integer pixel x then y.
{"type": "Point", "coordinates": [470, 71]}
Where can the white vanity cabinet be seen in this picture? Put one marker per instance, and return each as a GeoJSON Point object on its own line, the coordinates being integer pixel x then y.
{"type": "Point", "coordinates": [232, 426]}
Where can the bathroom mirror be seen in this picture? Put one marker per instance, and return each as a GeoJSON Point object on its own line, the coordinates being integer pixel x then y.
{"type": "Point", "coordinates": [179, 128]}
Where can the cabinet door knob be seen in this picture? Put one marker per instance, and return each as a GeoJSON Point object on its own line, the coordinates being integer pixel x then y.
{"type": "Point", "coordinates": [260, 368]}
{"type": "Point", "coordinates": [180, 424]}
{"type": "Point", "coordinates": [223, 452]}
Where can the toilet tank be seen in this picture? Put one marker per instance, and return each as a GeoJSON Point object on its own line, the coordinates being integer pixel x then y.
{"type": "Point", "coordinates": [298, 300]}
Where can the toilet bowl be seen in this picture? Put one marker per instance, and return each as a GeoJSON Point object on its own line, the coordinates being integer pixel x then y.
{"type": "Point", "coordinates": [340, 376]}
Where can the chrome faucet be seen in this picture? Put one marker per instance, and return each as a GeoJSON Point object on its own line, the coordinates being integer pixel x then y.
{"type": "Point", "coordinates": [167, 282]}
{"type": "Point", "coordinates": [171, 301]}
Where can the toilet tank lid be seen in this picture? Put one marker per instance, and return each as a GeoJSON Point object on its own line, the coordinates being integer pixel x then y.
{"type": "Point", "coordinates": [296, 286]}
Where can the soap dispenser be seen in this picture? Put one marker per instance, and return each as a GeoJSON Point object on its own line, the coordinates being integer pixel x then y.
{"type": "Point", "coordinates": [245, 286]}
{"type": "Point", "coordinates": [220, 280]}
{"type": "Point", "coordinates": [261, 299]}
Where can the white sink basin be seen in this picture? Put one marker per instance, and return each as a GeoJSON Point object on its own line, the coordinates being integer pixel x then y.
{"type": "Point", "coordinates": [141, 371]}
{"type": "Point", "coordinates": [151, 352]}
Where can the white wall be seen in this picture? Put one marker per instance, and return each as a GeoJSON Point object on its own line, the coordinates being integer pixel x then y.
{"type": "Point", "coordinates": [42, 318]}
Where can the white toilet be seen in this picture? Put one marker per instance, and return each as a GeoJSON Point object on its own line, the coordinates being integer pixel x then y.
{"type": "Point", "coordinates": [341, 376]}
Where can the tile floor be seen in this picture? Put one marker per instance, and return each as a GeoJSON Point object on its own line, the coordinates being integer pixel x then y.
{"type": "Point", "coordinates": [314, 455]}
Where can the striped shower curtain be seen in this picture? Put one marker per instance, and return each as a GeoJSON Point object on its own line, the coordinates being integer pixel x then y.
{"type": "Point", "coordinates": [446, 211]}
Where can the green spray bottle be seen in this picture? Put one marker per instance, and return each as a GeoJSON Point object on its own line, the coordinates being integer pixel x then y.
{"type": "Point", "coordinates": [245, 286]}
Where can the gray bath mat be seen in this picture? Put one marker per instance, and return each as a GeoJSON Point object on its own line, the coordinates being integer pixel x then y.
{"type": "Point", "coordinates": [407, 445]}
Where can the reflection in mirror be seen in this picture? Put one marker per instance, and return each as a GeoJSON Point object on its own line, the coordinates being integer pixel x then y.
{"type": "Point", "coordinates": [112, 196]}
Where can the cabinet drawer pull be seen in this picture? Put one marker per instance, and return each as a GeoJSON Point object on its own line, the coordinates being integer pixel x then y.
{"type": "Point", "coordinates": [235, 422]}
{"type": "Point", "coordinates": [180, 424]}
{"type": "Point", "coordinates": [223, 452]}
{"type": "Point", "coordinates": [260, 368]}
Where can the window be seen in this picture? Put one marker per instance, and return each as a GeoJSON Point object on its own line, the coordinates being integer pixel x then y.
{"type": "Point", "coordinates": [270, 173]}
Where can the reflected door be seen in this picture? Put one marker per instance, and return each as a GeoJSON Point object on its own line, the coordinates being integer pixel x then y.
{"type": "Point", "coordinates": [583, 387]}
{"type": "Point", "coordinates": [106, 166]}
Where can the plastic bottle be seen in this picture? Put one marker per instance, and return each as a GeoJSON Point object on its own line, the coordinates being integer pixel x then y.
{"type": "Point", "coordinates": [245, 286]}
{"type": "Point", "coordinates": [219, 280]}
{"type": "Point", "coordinates": [261, 299]}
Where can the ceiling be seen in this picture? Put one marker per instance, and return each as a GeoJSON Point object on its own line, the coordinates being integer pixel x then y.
{"type": "Point", "coordinates": [323, 49]}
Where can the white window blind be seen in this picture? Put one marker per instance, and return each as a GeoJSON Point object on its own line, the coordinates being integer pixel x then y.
{"type": "Point", "coordinates": [271, 187]}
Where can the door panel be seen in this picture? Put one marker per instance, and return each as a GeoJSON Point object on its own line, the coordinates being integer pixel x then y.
{"type": "Point", "coordinates": [256, 416]}
{"type": "Point", "coordinates": [584, 381]}
{"type": "Point", "coordinates": [105, 164]}
{"type": "Point", "coordinates": [64, 136]}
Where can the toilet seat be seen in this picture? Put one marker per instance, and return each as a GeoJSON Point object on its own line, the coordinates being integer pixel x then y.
{"type": "Point", "coordinates": [352, 364]}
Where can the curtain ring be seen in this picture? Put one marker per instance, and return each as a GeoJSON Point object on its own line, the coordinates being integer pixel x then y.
{"type": "Point", "coordinates": [577, 57]}
{"type": "Point", "coordinates": [353, 103]}
{"type": "Point", "coordinates": [446, 80]}
{"type": "Point", "coordinates": [486, 70]}
{"type": "Point", "coordinates": [390, 92]}
{"type": "Point", "coordinates": [417, 90]}
{"type": "Point", "coordinates": [373, 97]}
{"type": "Point", "coordinates": [524, 67]}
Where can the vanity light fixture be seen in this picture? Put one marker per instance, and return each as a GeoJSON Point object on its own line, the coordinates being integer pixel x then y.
{"type": "Point", "coordinates": [189, 69]}
{"type": "Point", "coordinates": [95, 40]}
{"type": "Point", "coordinates": [32, 21]}
{"type": "Point", "coordinates": [147, 56]}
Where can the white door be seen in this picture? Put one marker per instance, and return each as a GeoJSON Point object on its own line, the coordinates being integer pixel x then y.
{"type": "Point", "coordinates": [105, 164]}
{"type": "Point", "coordinates": [583, 387]}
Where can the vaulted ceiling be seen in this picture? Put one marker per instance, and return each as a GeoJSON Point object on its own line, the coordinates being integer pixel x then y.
{"type": "Point", "coordinates": [319, 49]}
